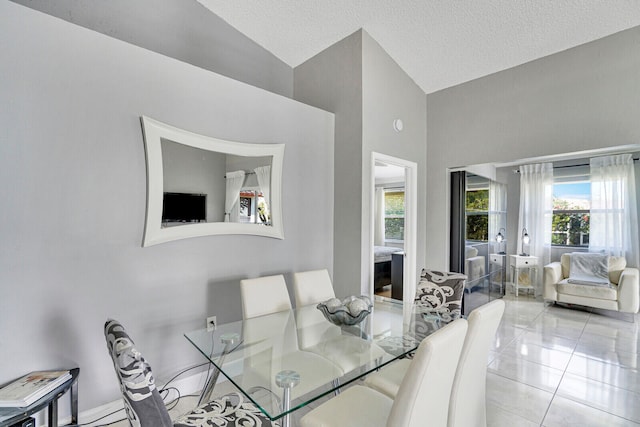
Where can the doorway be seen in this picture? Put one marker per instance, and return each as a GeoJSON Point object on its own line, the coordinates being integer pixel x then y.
{"type": "Point", "coordinates": [393, 228]}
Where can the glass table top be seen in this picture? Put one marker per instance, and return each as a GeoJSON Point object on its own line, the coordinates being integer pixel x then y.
{"type": "Point", "coordinates": [301, 351]}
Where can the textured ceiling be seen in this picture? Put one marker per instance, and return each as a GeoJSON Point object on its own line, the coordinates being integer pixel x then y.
{"type": "Point", "coordinates": [439, 43]}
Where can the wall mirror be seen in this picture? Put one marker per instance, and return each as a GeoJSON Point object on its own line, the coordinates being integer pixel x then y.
{"type": "Point", "coordinates": [200, 186]}
{"type": "Point", "coordinates": [485, 215]}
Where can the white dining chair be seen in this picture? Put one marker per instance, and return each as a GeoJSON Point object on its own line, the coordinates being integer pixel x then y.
{"type": "Point", "coordinates": [316, 334]}
{"type": "Point", "coordinates": [468, 402]}
{"type": "Point", "coordinates": [264, 295]}
{"type": "Point", "coordinates": [423, 396]}
{"type": "Point", "coordinates": [271, 344]}
{"type": "Point", "coordinates": [312, 287]}
{"type": "Point", "coordinates": [387, 381]}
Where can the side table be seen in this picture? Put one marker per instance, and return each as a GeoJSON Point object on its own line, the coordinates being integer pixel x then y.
{"type": "Point", "coordinates": [10, 416]}
{"type": "Point", "coordinates": [522, 262]}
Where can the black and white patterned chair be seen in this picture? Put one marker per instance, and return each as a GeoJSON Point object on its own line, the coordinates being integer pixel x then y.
{"type": "Point", "coordinates": [144, 405]}
{"type": "Point", "coordinates": [441, 293]}
{"type": "Point", "coordinates": [438, 300]}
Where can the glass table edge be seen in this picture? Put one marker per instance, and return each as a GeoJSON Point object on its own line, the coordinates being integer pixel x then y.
{"type": "Point", "coordinates": [302, 402]}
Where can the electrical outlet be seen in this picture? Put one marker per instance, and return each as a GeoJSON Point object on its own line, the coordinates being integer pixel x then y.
{"type": "Point", "coordinates": [212, 322]}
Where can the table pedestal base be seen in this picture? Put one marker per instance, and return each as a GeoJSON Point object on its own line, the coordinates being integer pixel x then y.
{"type": "Point", "coordinates": [287, 380]}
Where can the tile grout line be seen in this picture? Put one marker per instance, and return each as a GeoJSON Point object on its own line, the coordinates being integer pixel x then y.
{"type": "Point", "coordinates": [591, 313]}
{"type": "Point", "coordinates": [564, 371]}
{"type": "Point", "coordinates": [577, 336]}
{"type": "Point", "coordinates": [553, 396]}
{"type": "Point", "coordinates": [523, 333]}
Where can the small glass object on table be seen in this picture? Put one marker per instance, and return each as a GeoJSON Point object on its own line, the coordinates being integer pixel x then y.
{"type": "Point", "coordinates": [350, 311]}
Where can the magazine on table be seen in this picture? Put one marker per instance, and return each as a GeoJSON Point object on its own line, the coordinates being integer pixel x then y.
{"type": "Point", "coordinates": [26, 390]}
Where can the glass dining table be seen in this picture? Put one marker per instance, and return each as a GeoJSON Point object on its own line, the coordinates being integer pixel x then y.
{"type": "Point", "coordinates": [283, 361]}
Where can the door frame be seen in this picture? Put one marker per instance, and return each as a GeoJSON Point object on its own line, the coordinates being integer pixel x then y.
{"type": "Point", "coordinates": [410, 225]}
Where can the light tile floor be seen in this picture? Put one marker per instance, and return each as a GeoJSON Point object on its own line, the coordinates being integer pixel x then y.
{"type": "Point", "coordinates": [557, 366]}
{"type": "Point", "coordinates": [554, 366]}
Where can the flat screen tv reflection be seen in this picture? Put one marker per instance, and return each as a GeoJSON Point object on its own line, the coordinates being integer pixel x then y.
{"type": "Point", "coordinates": [184, 207]}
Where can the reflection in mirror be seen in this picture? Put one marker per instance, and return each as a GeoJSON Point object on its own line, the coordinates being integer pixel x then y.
{"type": "Point", "coordinates": [196, 183]}
{"type": "Point", "coordinates": [199, 185]}
{"type": "Point", "coordinates": [485, 216]}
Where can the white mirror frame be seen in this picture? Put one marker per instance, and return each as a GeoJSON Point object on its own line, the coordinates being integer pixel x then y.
{"type": "Point", "coordinates": [154, 233]}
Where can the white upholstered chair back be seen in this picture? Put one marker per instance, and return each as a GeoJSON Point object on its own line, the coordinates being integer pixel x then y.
{"type": "Point", "coordinates": [272, 341]}
{"type": "Point", "coordinates": [265, 340]}
{"type": "Point", "coordinates": [616, 267]}
{"type": "Point", "coordinates": [312, 287]}
{"type": "Point", "coordinates": [313, 328]}
{"type": "Point", "coordinates": [423, 396]}
{"type": "Point", "coordinates": [467, 406]}
{"type": "Point", "coordinates": [264, 295]}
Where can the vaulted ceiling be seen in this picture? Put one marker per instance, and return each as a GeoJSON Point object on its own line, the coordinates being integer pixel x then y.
{"type": "Point", "coordinates": [439, 43]}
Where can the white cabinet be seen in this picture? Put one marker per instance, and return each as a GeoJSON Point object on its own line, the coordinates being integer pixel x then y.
{"type": "Point", "coordinates": [518, 264]}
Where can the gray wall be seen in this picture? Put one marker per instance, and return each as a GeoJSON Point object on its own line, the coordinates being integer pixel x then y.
{"type": "Point", "coordinates": [388, 93]}
{"type": "Point", "coordinates": [512, 180]}
{"type": "Point", "coordinates": [188, 169]}
{"type": "Point", "coordinates": [358, 81]}
{"type": "Point", "coordinates": [73, 192]}
{"type": "Point", "coordinates": [332, 80]}
{"type": "Point", "coordinates": [181, 29]}
{"type": "Point", "coordinates": [580, 99]}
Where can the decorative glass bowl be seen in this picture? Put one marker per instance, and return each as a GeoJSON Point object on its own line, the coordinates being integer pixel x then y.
{"type": "Point", "coordinates": [350, 311]}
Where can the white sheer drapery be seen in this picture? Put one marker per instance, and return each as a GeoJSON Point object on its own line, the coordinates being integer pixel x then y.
{"type": "Point", "coordinates": [378, 225]}
{"type": "Point", "coordinates": [234, 185]}
{"type": "Point", "coordinates": [497, 213]}
{"type": "Point", "coordinates": [536, 212]}
{"type": "Point", "coordinates": [263, 173]}
{"type": "Point", "coordinates": [614, 217]}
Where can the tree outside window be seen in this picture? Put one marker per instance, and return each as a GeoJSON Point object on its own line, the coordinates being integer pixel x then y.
{"type": "Point", "coordinates": [571, 214]}
{"type": "Point", "coordinates": [394, 215]}
{"type": "Point", "coordinates": [477, 213]}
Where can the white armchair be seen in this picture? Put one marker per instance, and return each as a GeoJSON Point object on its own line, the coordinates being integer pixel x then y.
{"type": "Point", "coordinates": [622, 295]}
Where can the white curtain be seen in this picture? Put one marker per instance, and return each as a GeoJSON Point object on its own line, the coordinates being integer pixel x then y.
{"type": "Point", "coordinates": [378, 226]}
{"type": "Point", "coordinates": [614, 218]}
{"type": "Point", "coordinates": [536, 212]}
{"type": "Point", "coordinates": [263, 173]}
{"type": "Point", "coordinates": [497, 214]}
{"type": "Point", "coordinates": [234, 184]}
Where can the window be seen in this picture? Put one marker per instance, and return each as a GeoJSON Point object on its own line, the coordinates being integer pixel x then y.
{"type": "Point", "coordinates": [394, 215]}
{"type": "Point", "coordinates": [571, 214]}
{"type": "Point", "coordinates": [477, 213]}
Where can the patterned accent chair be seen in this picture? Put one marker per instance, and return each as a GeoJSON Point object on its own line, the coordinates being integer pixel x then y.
{"type": "Point", "coordinates": [144, 405]}
{"type": "Point", "coordinates": [441, 293]}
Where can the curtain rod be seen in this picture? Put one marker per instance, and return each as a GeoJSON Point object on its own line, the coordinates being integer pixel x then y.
{"type": "Point", "coordinates": [246, 173]}
{"type": "Point", "coordinates": [635, 159]}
